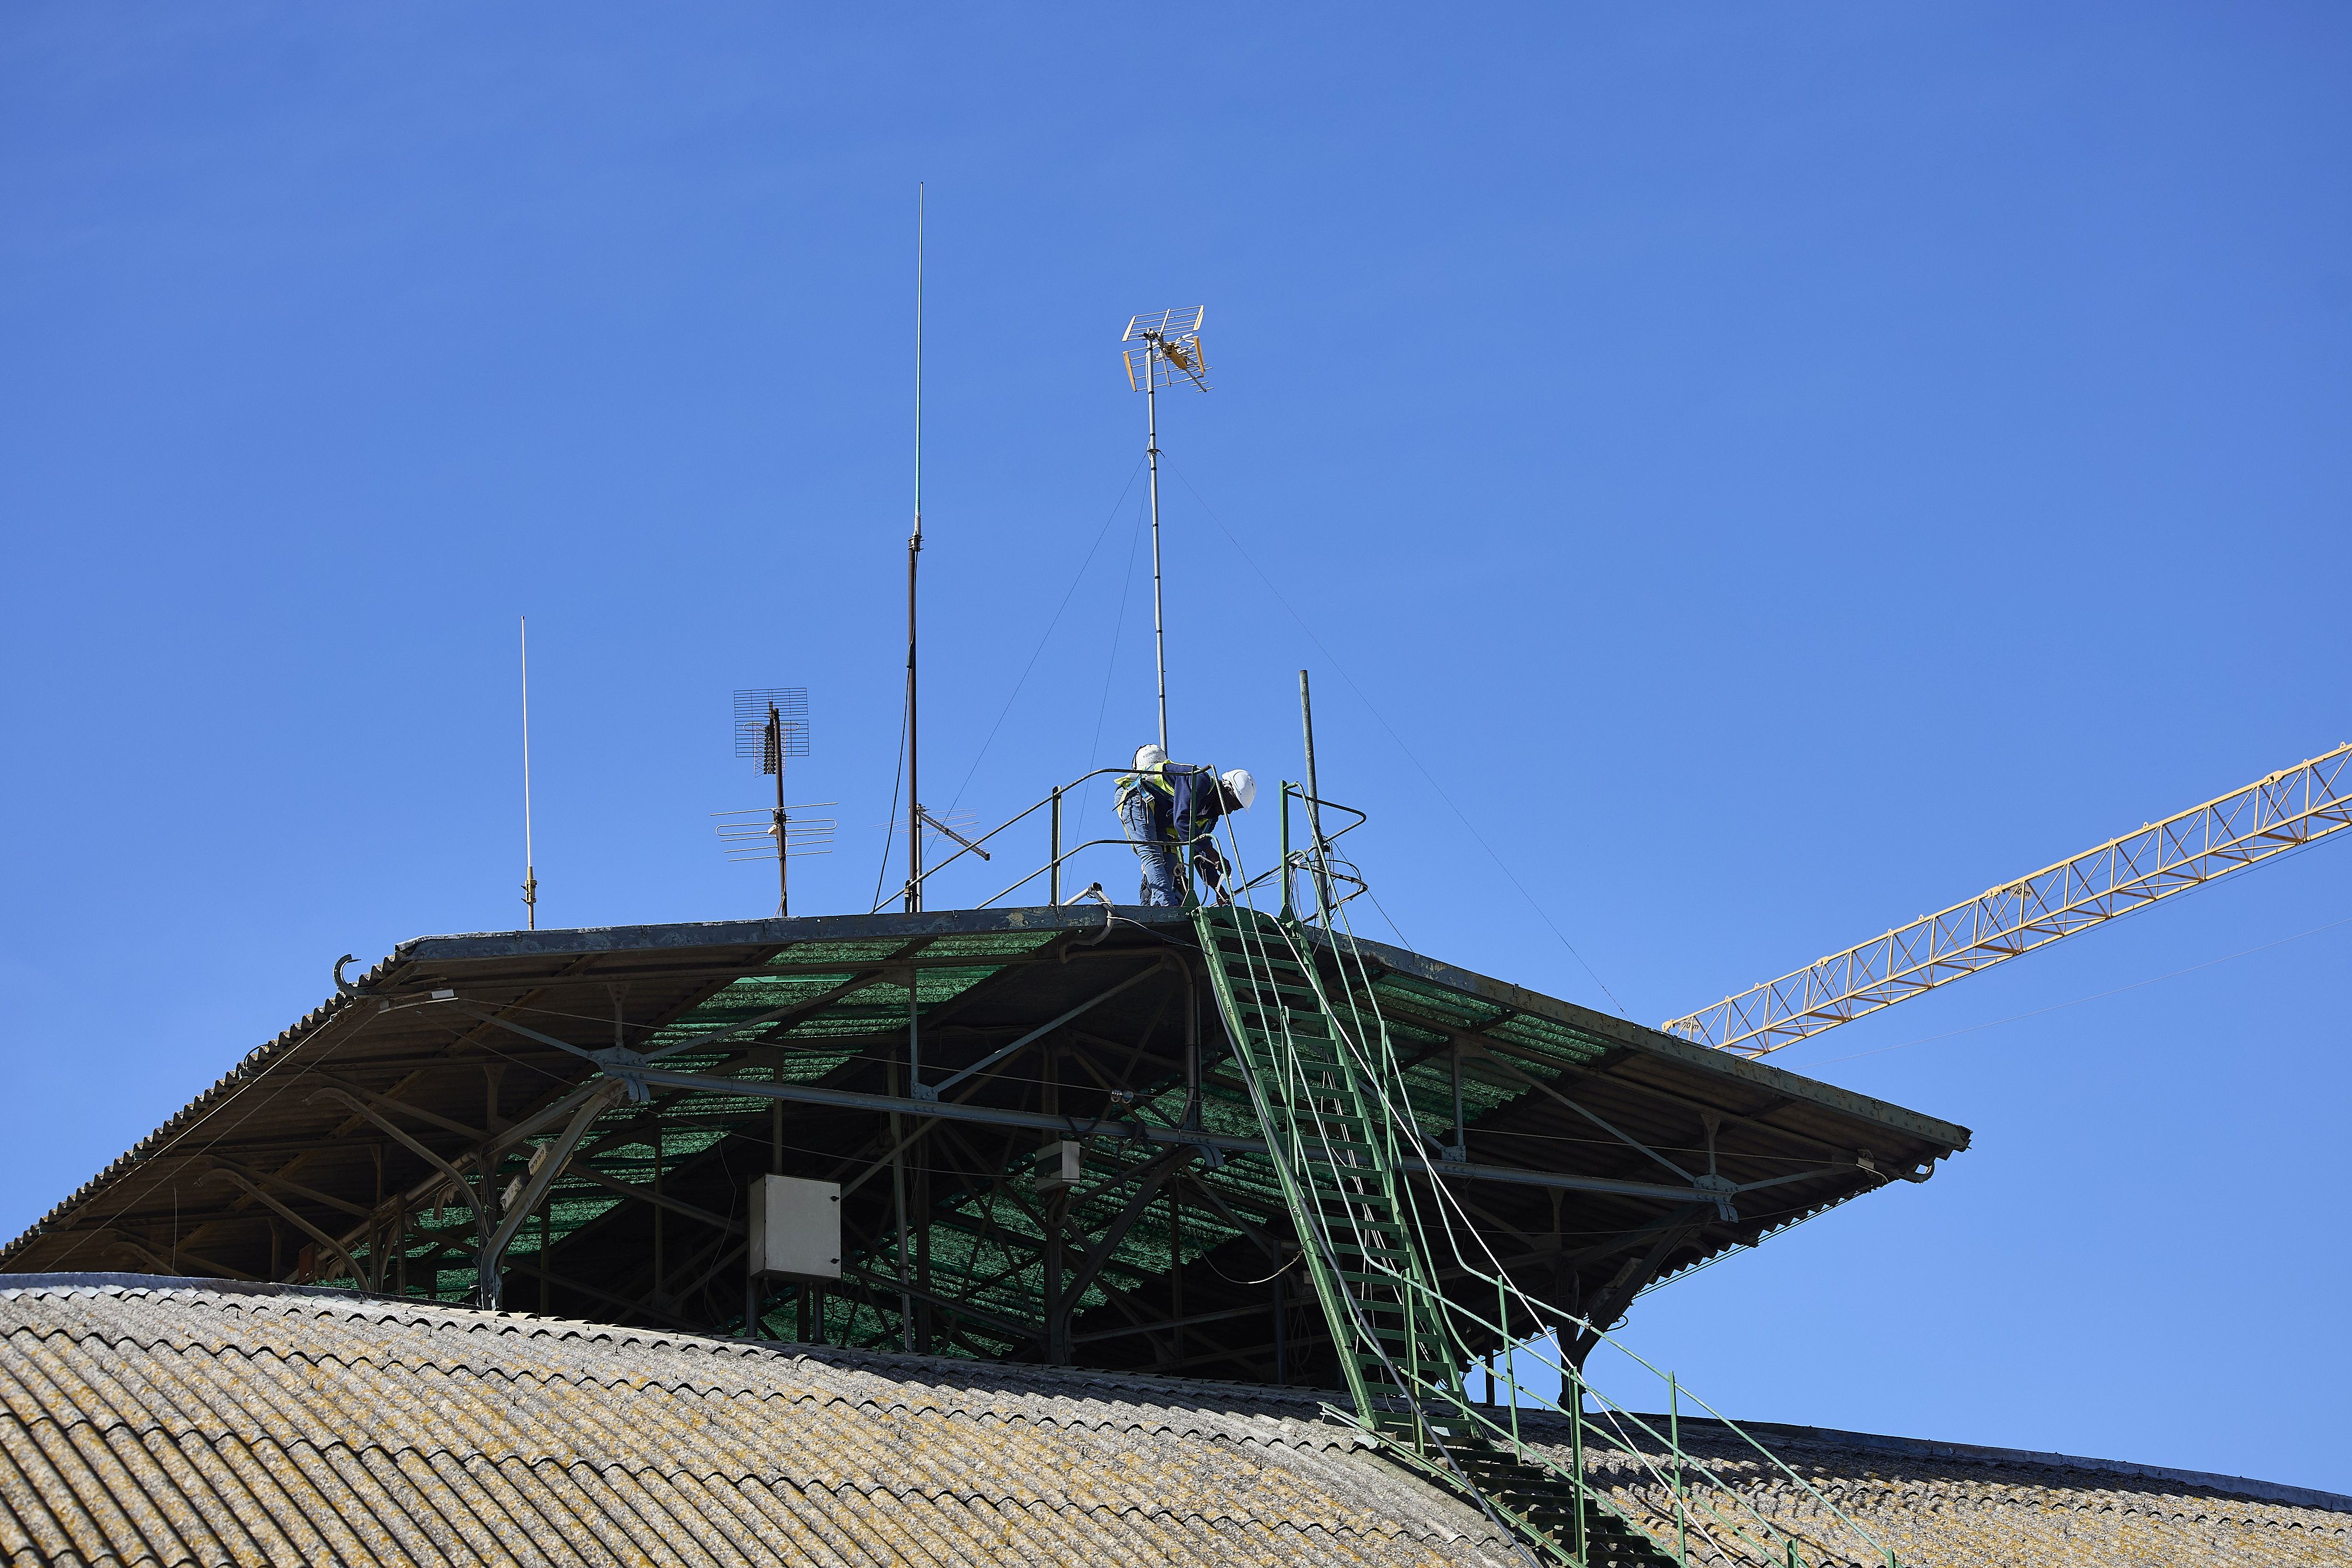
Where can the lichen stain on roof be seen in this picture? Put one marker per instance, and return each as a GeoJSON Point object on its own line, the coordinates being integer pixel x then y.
{"type": "Point", "coordinates": [1952, 1506]}
{"type": "Point", "coordinates": [206, 1426]}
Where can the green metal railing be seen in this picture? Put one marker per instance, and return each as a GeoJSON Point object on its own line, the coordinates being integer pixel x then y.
{"type": "Point", "coordinates": [1315, 1054]}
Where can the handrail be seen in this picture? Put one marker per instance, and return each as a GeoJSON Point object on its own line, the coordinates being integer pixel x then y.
{"type": "Point", "coordinates": [1060, 856]}
{"type": "Point", "coordinates": [1058, 792]}
{"type": "Point", "coordinates": [1363, 1043]}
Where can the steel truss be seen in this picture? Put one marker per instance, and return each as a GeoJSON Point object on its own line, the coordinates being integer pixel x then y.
{"type": "Point", "coordinates": [2285, 811]}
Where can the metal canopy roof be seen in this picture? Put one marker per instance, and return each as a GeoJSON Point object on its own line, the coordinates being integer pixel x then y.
{"type": "Point", "coordinates": [330, 1153]}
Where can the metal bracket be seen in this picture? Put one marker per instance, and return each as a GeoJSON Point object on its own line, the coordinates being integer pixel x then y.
{"type": "Point", "coordinates": [1720, 1190]}
{"type": "Point", "coordinates": [619, 1062]}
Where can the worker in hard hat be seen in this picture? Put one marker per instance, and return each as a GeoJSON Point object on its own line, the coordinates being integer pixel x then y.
{"type": "Point", "coordinates": [1171, 812]}
{"type": "Point", "coordinates": [1145, 802]}
{"type": "Point", "coordinates": [1200, 798]}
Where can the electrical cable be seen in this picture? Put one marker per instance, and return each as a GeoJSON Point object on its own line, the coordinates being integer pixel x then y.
{"type": "Point", "coordinates": [1100, 534]}
{"type": "Point", "coordinates": [1110, 665]}
{"type": "Point", "coordinates": [890, 823]}
{"type": "Point", "coordinates": [1540, 912]}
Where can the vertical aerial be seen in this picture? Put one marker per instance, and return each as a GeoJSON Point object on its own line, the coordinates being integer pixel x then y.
{"type": "Point", "coordinates": [1158, 347]}
{"type": "Point", "coordinates": [914, 551]}
{"type": "Point", "coordinates": [529, 876]}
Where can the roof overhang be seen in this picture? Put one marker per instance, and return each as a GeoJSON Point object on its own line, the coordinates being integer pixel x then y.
{"type": "Point", "coordinates": [1591, 1142]}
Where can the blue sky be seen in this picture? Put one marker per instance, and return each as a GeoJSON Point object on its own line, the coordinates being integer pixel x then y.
{"type": "Point", "coordinates": [1765, 473]}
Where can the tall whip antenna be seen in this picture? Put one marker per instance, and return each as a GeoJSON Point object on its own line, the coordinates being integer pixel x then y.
{"type": "Point", "coordinates": [914, 549]}
{"type": "Point", "coordinates": [529, 873]}
{"type": "Point", "coordinates": [1161, 347]}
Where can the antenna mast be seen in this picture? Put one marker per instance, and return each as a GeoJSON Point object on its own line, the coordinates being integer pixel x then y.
{"type": "Point", "coordinates": [1171, 338]}
{"type": "Point", "coordinates": [914, 551]}
{"type": "Point", "coordinates": [770, 726]}
{"type": "Point", "coordinates": [529, 874]}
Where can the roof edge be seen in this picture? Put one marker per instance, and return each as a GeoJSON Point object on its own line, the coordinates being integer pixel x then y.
{"type": "Point", "coordinates": [1641, 1037]}
{"type": "Point", "coordinates": [1922, 1447]}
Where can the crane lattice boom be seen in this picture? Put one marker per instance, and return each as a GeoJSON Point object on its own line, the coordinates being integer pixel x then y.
{"type": "Point", "coordinates": [2284, 811]}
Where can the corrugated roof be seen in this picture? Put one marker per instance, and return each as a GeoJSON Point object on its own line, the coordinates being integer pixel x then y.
{"type": "Point", "coordinates": [1952, 1506]}
{"type": "Point", "coordinates": [272, 1425]}
{"type": "Point", "coordinates": [147, 1420]}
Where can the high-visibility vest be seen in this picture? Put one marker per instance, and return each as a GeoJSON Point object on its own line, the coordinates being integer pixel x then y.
{"type": "Point", "coordinates": [1154, 776]}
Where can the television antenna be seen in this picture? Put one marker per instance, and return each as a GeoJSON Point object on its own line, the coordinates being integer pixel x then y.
{"type": "Point", "coordinates": [770, 727]}
{"type": "Point", "coordinates": [1161, 350]}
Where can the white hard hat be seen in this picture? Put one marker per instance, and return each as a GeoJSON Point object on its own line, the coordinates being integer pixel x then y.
{"type": "Point", "coordinates": [1243, 787]}
{"type": "Point", "coordinates": [1150, 755]}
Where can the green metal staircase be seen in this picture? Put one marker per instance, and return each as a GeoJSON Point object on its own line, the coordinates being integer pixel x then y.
{"type": "Point", "coordinates": [1336, 1154]}
{"type": "Point", "coordinates": [1329, 1092]}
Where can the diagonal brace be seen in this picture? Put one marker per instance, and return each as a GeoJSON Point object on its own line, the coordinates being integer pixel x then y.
{"type": "Point", "coordinates": [555, 1156]}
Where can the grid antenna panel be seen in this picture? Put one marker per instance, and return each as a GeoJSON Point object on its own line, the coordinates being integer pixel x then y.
{"type": "Point", "coordinates": [1162, 348]}
{"type": "Point", "coordinates": [751, 706]}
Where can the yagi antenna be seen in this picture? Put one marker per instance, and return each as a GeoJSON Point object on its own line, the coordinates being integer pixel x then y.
{"type": "Point", "coordinates": [1159, 350]}
{"type": "Point", "coordinates": [770, 726]}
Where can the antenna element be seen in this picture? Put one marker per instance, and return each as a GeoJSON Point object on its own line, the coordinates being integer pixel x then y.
{"type": "Point", "coordinates": [914, 549]}
{"type": "Point", "coordinates": [1159, 348]}
{"type": "Point", "coordinates": [770, 724]}
{"type": "Point", "coordinates": [529, 874]}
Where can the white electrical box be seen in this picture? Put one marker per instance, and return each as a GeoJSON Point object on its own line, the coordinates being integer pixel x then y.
{"type": "Point", "coordinates": [1061, 1165]}
{"type": "Point", "coordinates": [795, 1228]}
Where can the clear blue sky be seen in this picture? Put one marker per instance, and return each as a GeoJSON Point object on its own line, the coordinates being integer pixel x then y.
{"type": "Point", "coordinates": [1778, 470]}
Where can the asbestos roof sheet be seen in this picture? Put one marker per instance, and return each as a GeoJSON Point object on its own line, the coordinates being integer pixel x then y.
{"type": "Point", "coordinates": [272, 1425]}
{"type": "Point", "coordinates": [1941, 1505]}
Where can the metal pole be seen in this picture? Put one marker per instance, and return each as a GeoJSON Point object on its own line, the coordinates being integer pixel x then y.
{"type": "Point", "coordinates": [898, 1206]}
{"type": "Point", "coordinates": [1152, 450]}
{"type": "Point", "coordinates": [1314, 813]}
{"type": "Point", "coordinates": [1674, 1439]}
{"type": "Point", "coordinates": [1576, 1448]}
{"type": "Point", "coordinates": [529, 873]}
{"type": "Point", "coordinates": [1461, 1138]}
{"type": "Point", "coordinates": [1192, 1050]}
{"type": "Point", "coordinates": [914, 1035]}
{"type": "Point", "coordinates": [1281, 1358]}
{"type": "Point", "coordinates": [914, 549]}
{"type": "Point", "coordinates": [783, 886]}
{"type": "Point", "coordinates": [1053, 877]}
{"type": "Point", "coordinates": [1287, 900]}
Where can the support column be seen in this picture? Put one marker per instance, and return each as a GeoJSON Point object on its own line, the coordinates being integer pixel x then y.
{"type": "Point", "coordinates": [552, 1163]}
{"type": "Point", "coordinates": [1057, 1324]}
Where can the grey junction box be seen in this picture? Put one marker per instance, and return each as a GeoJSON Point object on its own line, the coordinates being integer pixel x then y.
{"type": "Point", "coordinates": [795, 1228]}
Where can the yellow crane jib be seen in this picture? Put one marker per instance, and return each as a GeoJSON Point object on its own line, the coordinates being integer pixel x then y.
{"type": "Point", "coordinates": [2284, 811]}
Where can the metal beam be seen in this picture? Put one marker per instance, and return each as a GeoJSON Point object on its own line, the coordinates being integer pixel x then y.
{"type": "Point", "coordinates": [1619, 1293]}
{"type": "Point", "coordinates": [472, 1135]}
{"type": "Point", "coordinates": [296, 1187]}
{"type": "Point", "coordinates": [222, 1173]}
{"type": "Point", "coordinates": [1133, 1132]}
{"type": "Point", "coordinates": [646, 1194]}
{"type": "Point", "coordinates": [930, 1090]}
{"type": "Point", "coordinates": [1153, 1175]}
{"type": "Point", "coordinates": [1131, 1330]}
{"type": "Point", "coordinates": [477, 1203]}
{"type": "Point", "coordinates": [553, 1158]}
{"type": "Point", "coordinates": [115, 1238]}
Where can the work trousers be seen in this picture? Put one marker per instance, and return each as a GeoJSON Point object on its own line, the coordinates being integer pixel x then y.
{"type": "Point", "coordinates": [1138, 815]}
